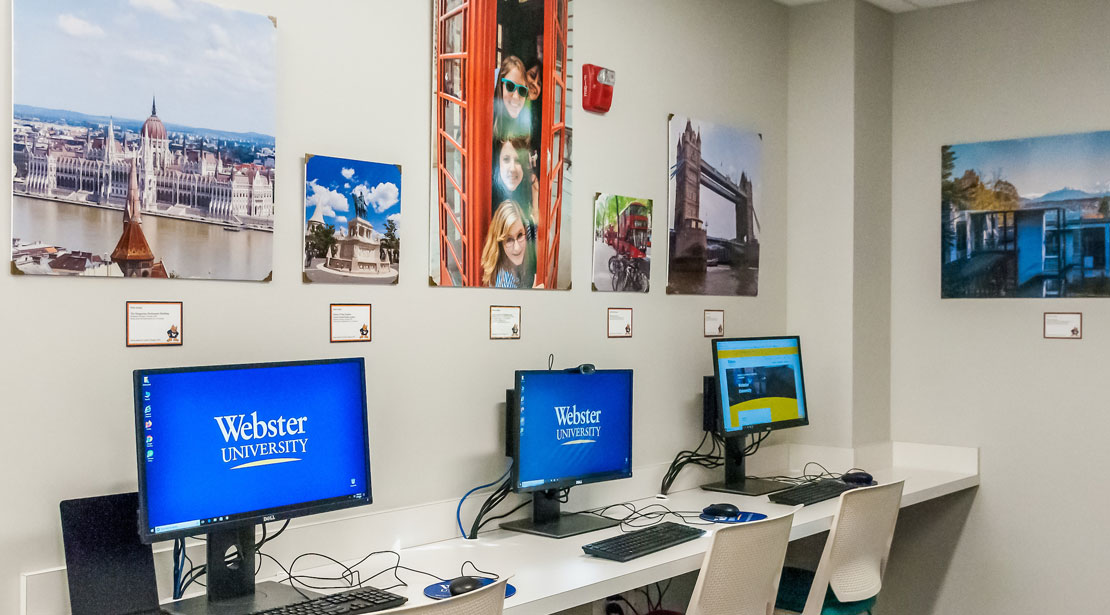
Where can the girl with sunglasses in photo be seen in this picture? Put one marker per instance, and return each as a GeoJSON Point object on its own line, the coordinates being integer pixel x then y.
{"type": "Point", "coordinates": [512, 108]}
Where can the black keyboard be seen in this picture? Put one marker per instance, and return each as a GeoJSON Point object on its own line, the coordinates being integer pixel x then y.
{"type": "Point", "coordinates": [641, 542]}
{"type": "Point", "coordinates": [350, 602]}
{"type": "Point", "coordinates": [811, 493]}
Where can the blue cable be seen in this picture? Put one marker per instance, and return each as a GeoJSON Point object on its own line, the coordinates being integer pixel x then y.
{"type": "Point", "coordinates": [458, 509]}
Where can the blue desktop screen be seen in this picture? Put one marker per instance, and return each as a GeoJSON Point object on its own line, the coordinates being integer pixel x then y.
{"type": "Point", "coordinates": [222, 444]}
{"type": "Point", "coordinates": [573, 427]}
{"type": "Point", "coordinates": [760, 382]}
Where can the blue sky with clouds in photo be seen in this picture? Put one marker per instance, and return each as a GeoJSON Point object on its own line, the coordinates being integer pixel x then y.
{"type": "Point", "coordinates": [1036, 166]}
{"type": "Point", "coordinates": [209, 67]}
{"type": "Point", "coordinates": [331, 182]}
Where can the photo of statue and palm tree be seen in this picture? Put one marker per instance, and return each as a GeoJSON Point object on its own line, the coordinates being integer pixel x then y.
{"type": "Point", "coordinates": [352, 215]}
{"type": "Point", "coordinates": [142, 140]}
{"type": "Point", "coordinates": [1026, 217]}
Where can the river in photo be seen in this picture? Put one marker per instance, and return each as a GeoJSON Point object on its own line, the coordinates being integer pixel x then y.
{"type": "Point", "coordinates": [188, 249]}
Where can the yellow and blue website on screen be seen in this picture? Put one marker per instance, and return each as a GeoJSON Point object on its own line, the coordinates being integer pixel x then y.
{"type": "Point", "coordinates": [760, 382]}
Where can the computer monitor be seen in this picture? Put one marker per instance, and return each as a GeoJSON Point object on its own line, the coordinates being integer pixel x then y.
{"type": "Point", "coordinates": [567, 428]}
{"type": "Point", "coordinates": [222, 448]}
{"type": "Point", "coordinates": [758, 387]}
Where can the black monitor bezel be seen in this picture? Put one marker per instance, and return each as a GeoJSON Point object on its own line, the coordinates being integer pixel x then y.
{"type": "Point", "coordinates": [513, 422]}
{"type": "Point", "coordinates": [250, 517]}
{"type": "Point", "coordinates": [722, 403]}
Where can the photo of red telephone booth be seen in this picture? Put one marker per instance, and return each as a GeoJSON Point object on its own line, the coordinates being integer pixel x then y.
{"type": "Point", "coordinates": [501, 144]}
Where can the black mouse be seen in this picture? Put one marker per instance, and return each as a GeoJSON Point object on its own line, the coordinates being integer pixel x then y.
{"type": "Point", "coordinates": [858, 478]}
{"type": "Point", "coordinates": [461, 585]}
{"type": "Point", "coordinates": [721, 510]}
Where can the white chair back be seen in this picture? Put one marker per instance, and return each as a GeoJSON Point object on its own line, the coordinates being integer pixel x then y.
{"type": "Point", "coordinates": [740, 572]}
{"type": "Point", "coordinates": [855, 555]}
{"type": "Point", "coordinates": [488, 600]}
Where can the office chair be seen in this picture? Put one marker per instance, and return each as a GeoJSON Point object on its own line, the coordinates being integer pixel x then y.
{"type": "Point", "coordinates": [850, 574]}
{"type": "Point", "coordinates": [740, 572]}
{"type": "Point", "coordinates": [488, 600]}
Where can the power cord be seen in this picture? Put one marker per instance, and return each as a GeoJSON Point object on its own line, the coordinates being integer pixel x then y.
{"type": "Point", "coordinates": [496, 497]}
{"type": "Point", "coordinates": [184, 578]}
{"type": "Point", "coordinates": [712, 458]}
{"type": "Point", "coordinates": [458, 509]}
{"type": "Point", "coordinates": [649, 515]}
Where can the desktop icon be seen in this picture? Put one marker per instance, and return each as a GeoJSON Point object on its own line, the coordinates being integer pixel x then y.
{"type": "Point", "coordinates": [149, 455]}
{"type": "Point", "coordinates": [146, 394]}
{"type": "Point", "coordinates": [149, 441]}
{"type": "Point", "coordinates": [146, 411]}
{"type": "Point", "coordinates": [149, 424]}
{"type": "Point", "coordinates": [146, 380]}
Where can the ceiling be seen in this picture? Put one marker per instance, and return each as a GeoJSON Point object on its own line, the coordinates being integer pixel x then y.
{"type": "Point", "coordinates": [894, 6]}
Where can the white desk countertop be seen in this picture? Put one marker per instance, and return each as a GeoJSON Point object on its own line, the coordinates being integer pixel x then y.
{"type": "Point", "coordinates": [554, 574]}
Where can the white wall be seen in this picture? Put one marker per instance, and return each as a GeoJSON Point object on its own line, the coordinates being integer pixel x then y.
{"type": "Point", "coordinates": [871, 247]}
{"type": "Point", "coordinates": [821, 196]}
{"type": "Point", "coordinates": [354, 77]}
{"type": "Point", "coordinates": [976, 372]}
{"type": "Point", "coordinates": [838, 277]}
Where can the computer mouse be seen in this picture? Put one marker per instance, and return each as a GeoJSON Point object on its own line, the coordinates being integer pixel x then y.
{"type": "Point", "coordinates": [461, 585]}
{"type": "Point", "coordinates": [858, 478]}
{"type": "Point", "coordinates": [721, 510]}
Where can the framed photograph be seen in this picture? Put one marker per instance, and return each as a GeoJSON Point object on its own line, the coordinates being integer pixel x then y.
{"type": "Point", "coordinates": [1063, 325]}
{"type": "Point", "coordinates": [352, 221]}
{"type": "Point", "coordinates": [1025, 218]}
{"type": "Point", "coordinates": [109, 181]}
{"type": "Point", "coordinates": [153, 323]}
{"type": "Point", "coordinates": [715, 206]}
{"type": "Point", "coordinates": [502, 126]}
{"type": "Point", "coordinates": [350, 322]}
{"type": "Point", "coordinates": [622, 243]}
{"type": "Point", "coordinates": [620, 322]}
{"type": "Point", "coordinates": [504, 322]}
{"type": "Point", "coordinates": [714, 323]}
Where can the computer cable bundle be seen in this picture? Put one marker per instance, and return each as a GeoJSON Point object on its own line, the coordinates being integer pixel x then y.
{"type": "Point", "coordinates": [712, 458]}
{"type": "Point", "coordinates": [458, 509]}
{"type": "Point", "coordinates": [182, 578]}
{"type": "Point", "coordinates": [350, 578]}
{"type": "Point", "coordinates": [652, 605]}
{"type": "Point", "coordinates": [504, 487]}
{"type": "Point", "coordinates": [806, 476]}
{"type": "Point", "coordinates": [496, 497]}
{"type": "Point", "coordinates": [651, 514]}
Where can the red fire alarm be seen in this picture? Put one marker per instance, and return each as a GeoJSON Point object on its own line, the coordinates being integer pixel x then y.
{"type": "Point", "coordinates": [597, 88]}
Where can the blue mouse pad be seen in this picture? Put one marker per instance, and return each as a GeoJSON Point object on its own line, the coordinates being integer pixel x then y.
{"type": "Point", "coordinates": [439, 591]}
{"type": "Point", "coordinates": [743, 517]}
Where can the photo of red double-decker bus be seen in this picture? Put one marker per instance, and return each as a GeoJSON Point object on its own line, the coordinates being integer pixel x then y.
{"type": "Point", "coordinates": [622, 234]}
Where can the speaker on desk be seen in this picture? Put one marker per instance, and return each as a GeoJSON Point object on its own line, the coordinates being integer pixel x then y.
{"type": "Point", "coordinates": [710, 407]}
{"type": "Point", "coordinates": [110, 571]}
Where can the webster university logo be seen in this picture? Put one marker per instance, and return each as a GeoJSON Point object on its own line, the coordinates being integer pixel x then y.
{"type": "Point", "coordinates": [241, 433]}
{"type": "Point", "coordinates": [582, 425]}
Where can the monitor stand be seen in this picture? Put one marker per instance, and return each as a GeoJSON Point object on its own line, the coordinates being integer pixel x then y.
{"type": "Point", "coordinates": [735, 481]}
{"type": "Point", "coordinates": [548, 521]}
{"type": "Point", "coordinates": [230, 580]}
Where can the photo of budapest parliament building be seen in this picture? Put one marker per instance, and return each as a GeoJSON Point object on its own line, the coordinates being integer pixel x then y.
{"type": "Point", "coordinates": [177, 177]}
